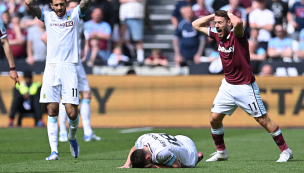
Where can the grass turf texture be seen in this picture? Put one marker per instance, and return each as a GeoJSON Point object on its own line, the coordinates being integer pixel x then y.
{"type": "Point", "coordinates": [250, 150]}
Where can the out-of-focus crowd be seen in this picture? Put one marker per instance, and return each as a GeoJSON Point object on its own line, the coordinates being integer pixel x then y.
{"type": "Point", "coordinates": [274, 28]}
{"type": "Point", "coordinates": [112, 32]}
{"type": "Point", "coordinates": [108, 28]}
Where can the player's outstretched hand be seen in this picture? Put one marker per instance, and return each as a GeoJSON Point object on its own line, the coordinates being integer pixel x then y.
{"type": "Point", "coordinates": [125, 166]}
{"type": "Point", "coordinates": [14, 76]}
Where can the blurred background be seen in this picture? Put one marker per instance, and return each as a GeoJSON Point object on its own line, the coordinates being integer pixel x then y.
{"type": "Point", "coordinates": [147, 66]}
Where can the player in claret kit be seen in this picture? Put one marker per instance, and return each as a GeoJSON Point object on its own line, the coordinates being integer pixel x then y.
{"type": "Point", "coordinates": [238, 88]}
{"type": "Point", "coordinates": [8, 52]}
{"type": "Point", "coordinates": [160, 150]}
{"type": "Point", "coordinates": [60, 75]}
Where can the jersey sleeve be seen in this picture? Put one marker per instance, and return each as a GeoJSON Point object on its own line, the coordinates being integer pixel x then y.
{"type": "Point", "coordinates": [212, 32]}
{"type": "Point", "coordinates": [43, 13]}
{"type": "Point", "coordinates": [139, 144]}
{"type": "Point", "coordinates": [165, 157]}
{"type": "Point", "coordinates": [2, 30]}
{"type": "Point", "coordinates": [79, 11]}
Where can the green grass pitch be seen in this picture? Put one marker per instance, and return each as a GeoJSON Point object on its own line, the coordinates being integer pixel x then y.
{"type": "Point", "coordinates": [250, 150]}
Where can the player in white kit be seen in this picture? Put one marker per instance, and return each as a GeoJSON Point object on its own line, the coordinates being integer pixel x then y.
{"type": "Point", "coordinates": [160, 150]}
{"type": "Point", "coordinates": [84, 90]}
{"type": "Point", "coordinates": [60, 75]}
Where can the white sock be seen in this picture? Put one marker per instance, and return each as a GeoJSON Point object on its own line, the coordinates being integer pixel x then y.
{"type": "Point", "coordinates": [85, 113]}
{"type": "Point", "coordinates": [62, 119]}
{"type": "Point", "coordinates": [73, 126]}
{"type": "Point", "coordinates": [52, 128]}
{"type": "Point", "coordinates": [140, 55]}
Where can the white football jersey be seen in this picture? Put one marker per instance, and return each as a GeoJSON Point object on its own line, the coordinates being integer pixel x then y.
{"type": "Point", "coordinates": [63, 36]}
{"type": "Point", "coordinates": [164, 148]}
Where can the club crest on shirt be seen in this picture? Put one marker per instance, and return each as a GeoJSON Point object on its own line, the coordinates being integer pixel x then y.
{"type": "Point", "coordinates": [68, 17]}
{"type": "Point", "coordinates": [44, 96]}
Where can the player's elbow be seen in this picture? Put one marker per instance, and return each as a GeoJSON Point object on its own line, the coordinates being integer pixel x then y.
{"type": "Point", "coordinates": [195, 25]}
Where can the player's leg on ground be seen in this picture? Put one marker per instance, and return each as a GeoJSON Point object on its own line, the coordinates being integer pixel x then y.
{"type": "Point", "coordinates": [277, 136]}
{"type": "Point", "coordinates": [52, 127]}
{"type": "Point", "coordinates": [85, 112]}
{"type": "Point", "coordinates": [62, 123]}
{"type": "Point", "coordinates": [72, 112]}
{"type": "Point", "coordinates": [217, 130]}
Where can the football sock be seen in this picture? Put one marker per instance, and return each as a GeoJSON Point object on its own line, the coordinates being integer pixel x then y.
{"type": "Point", "coordinates": [73, 126]}
{"type": "Point", "coordinates": [62, 119]}
{"type": "Point", "coordinates": [278, 139]}
{"type": "Point", "coordinates": [140, 55]}
{"type": "Point", "coordinates": [218, 138]}
{"type": "Point", "coordinates": [85, 113]}
{"type": "Point", "coordinates": [52, 128]}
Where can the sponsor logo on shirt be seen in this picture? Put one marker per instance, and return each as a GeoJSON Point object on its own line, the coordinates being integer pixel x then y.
{"type": "Point", "coordinates": [66, 24]}
{"type": "Point", "coordinates": [223, 49]}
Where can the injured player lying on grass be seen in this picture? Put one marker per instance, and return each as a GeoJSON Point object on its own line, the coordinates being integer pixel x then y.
{"type": "Point", "coordinates": [160, 150]}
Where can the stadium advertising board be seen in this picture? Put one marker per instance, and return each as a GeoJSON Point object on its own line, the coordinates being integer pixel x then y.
{"type": "Point", "coordinates": [134, 101]}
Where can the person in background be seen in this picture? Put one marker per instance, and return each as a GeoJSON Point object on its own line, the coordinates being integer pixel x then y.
{"type": "Point", "coordinates": [156, 59]}
{"type": "Point", "coordinates": [177, 17]}
{"type": "Point", "coordinates": [279, 9]}
{"type": "Point", "coordinates": [262, 19]}
{"type": "Point", "coordinates": [117, 58]}
{"type": "Point", "coordinates": [26, 99]}
{"type": "Point", "coordinates": [296, 12]}
{"type": "Point", "coordinates": [107, 11]}
{"type": "Point", "coordinates": [217, 4]}
{"type": "Point", "coordinates": [257, 55]}
{"type": "Point", "coordinates": [300, 51]}
{"type": "Point", "coordinates": [36, 49]}
{"type": "Point", "coordinates": [97, 34]}
{"type": "Point", "coordinates": [131, 14]}
{"type": "Point", "coordinates": [12, 7]}
{"type": "Point", "coordinates": [188, 44]}
{"type": "Point", "coordinates": [15, 35]}
{"type": "Point", "coordinates": [240, 12]}
{"type": "Point", "coordinates": [280, 47]}
{"type": "Point", "coordinates": [266, 70]}
{"type": "Point", "coordinates": [200, 10]}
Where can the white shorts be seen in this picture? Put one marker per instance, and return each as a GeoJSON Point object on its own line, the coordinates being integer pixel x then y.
{"type": "Point", "coordinates": [60, 80]}
{"type": "Point", "coordinates": [190, 158]}
{"type": "Point", "coordinates": [83, 84]}
{"type": "Point", "coordinates": [246, 96]}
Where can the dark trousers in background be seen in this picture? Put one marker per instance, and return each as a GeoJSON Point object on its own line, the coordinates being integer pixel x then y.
{"type": "Point", "coordinates": [17, 106]}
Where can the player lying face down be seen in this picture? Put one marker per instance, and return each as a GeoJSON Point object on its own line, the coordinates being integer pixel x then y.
{"type": "Point", "coordinates": [160, 150]}
{"type": "Point", "coordinates": [59, 6]}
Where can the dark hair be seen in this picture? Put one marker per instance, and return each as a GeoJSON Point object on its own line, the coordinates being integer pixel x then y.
{"type": "Point", "coordinates": [52, 1]}
{"type": "Point", "coordinates": [222, 13]}
{"type": "Point", "coordinates": [138, 158]}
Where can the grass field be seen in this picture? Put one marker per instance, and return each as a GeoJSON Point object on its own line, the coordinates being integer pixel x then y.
{"type": "Point", "coordinates": [250, 150]}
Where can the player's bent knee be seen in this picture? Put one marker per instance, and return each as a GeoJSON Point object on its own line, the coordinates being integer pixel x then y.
{"type": "Point", "coordinates": [53, 112]}
{"type": "Point", "coordinates": [263, 120]}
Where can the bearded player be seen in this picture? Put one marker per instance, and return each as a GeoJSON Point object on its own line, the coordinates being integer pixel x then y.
{"type": "Point", "coordinates": [84, 90]}
{"type": "Point", "coordinates": [238, 88]}
{"type": "Point", "coordinates": [60, 75]}
{"type": "Point", "coordinates": [160, 150]}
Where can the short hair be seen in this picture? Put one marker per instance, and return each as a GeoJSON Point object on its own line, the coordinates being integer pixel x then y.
{"type": "Point", "coordinates": [222, 13]}
{"type": "Point", "coordinates": [138, 158]}
{"type": "Point", "coordinates": [52, 1]}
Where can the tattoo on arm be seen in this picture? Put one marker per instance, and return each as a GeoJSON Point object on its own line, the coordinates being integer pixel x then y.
{"type": "Point", "coordinates": [34, 8]}
{"type": "Point", "coordinates": [84, 4]}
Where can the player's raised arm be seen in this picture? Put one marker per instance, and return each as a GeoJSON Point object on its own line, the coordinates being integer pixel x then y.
{"type": "Point", "coordinates": [34, 8]}
{"type": "Point", "coordinates": [201, 23]}
{"type": "Point", "coordinates": [10, 58]}
{"type": "Point", "coordinates": [237, 24]}
{"type": "Point", "coordinates": [84, 4]}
